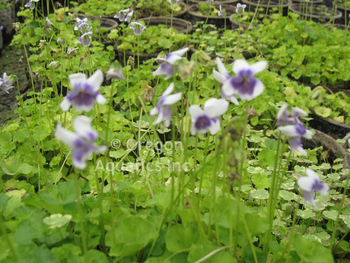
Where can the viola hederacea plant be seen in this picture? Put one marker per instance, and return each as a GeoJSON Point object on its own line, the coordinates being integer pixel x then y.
{"type": "Point", "coordinates": [188, 175]}
{"type": "Point", "coordinates": [167, 66]}
{"type": "Point", "coordinates": [31, 4]}
{"type": "Point", "coordinates": [208, 118]}
{"type": "Point", "coordinates": [84, 93]}
{"type": "Point", "coordinates": [163, 107]}
{"type": "Point", "coordinates": [81, 142]}
{"type": "Point", "coordinates": [6, 82]}
{"type": "Point", "coordinates": [311, 184]}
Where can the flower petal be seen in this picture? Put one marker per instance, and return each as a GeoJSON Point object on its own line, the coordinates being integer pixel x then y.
{"type": "Point", "coordinates": [96, 80]}
{"type": "Point", "coordinates": [322, 188]}
{"type": "Point", "coordinates": [258, 67]}
{"type": "Point", "coordinates": [309, 197]}
{"type": "Point", "coordinates": [76, 78]}
{"type": "Point", "coordinates": [249, 92]}
{"type": "Point", "coordinates": [306, 183]}
{"type": "Point", "coordinates": [153, 111]}
{"type": "Point", "coordinates": [215, 126]}
{"type": "Point", "coordinates": [312, 174]}
{"type": "Point", "coordinates": [289, 130]}
{"type": "Point", "coordinates": [295, 145]}
{"type": "Point", "coordinates": [67, 137]}
{"type": "Point", "coordinates": [82, 126]}
{"type": "Point", "coordinates": [228, 88]}
{"type": "Point", "coordinates": [219, 77]}
{"type": "Point", "coordinates": [239, 64]}
{"type": "Point", "coordinates": [172, 99]}
{"type": "Point", "coordinates": [180, 52]}
{"type": "Point", "coordinates": [65, 104]}
{"type": "Point", "coordinates": [195, 112]}
{"type": "Point", "coordinates": [100, 99]}
{"type": "Point", "coordinates": [215, 107]}
{"type": "Point", "coordinates": [222, 68]}
{"type": "Point", "coordinates": [168, 90]}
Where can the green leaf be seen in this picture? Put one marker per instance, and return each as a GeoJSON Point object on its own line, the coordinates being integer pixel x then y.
{"type": "Point", "coordinates": [57, 220]}
{"type": "Point", "coordinates": [261, 181]}
{"type": "Point", "coordinates": [331, 214]}
{"type": "Point", "coordinates": [323, 111]}
{"type": "Point", "coordinates": [33, 24]}
{"type": "Point", "coordinates": [260, 194]}
{"type": "Point", "coordinates": [179, 237]}
{"type": "Point", "coordinates": [3, 201]}
{"type": "Point", "coordinates": [199, 252]}
{"type": "Point", "coordinates": [164, 43]}
{"type": "Point", "coordinates": [286, 195]}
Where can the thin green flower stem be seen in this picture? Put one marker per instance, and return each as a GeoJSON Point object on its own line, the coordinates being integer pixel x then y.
{"type": "Point", "coordinates": [211, 254]}
{"type": "Point", "coordinates": [256, 10]}
{"type": "Point", "coordinates": [172, 179]}
{"type": "Point", "coordinates": [81, 219]}
{"type": "Point", "coordinates": [171, 21]}
{"type": "Point", "coordinates": [340, 208]}
{"type": "Point", "coordinates": [279, 182]}
{"type": "Point", "coordinates": [39, 161]}
{"type": "Point", "coordinates": [175, 253]}
{"type": "Point", "coordinates": [31, 78]}
{"type": "Point", "coordinates": [290, 236]}
{"type": "Point", "coordinates": [138, 59]}
{"type": "Point", "coordinates": [8, 240]}
{"type": "Point", "coordinates": [139, 134]}
{"type": "Point", "coordinates": [110, 107]}
{"type": "Point", "coordinates": [270, 212]}
{"type": "Point", "coordinates": [268, 5]}
{"type": "Point", "coordinates": [202, 173]}
{"type": "Point", "coordinates": [231, 221]}
{"type": "Point", "coordinates": [347, 232]}
{"type": "Point", "coordinates": [249, 238]}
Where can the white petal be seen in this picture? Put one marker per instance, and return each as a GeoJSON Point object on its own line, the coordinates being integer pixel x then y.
{"type": "Point", "coordinates": [153, 111]}
{"type": "Point", "coordinates": [195, 112]}
{"type": "Point", "coordinates": [67, 137]}
{"type": "Point", "coordinates": [101, 149]}
{"type": "Point", "coordinates": [240, 64]}
{"type": "Point", "coordinates": [76, 78]}
{"type": "Point", "coordinates": [100, 99]}
{"type": "Point", "coordinates": [159, 71]}
{"type": "Point", "coordinates": [311, 174]}
{"type": "Point", "coordinates": [82, 126]}
{"type": "Point", "coordinates": [193, 129]}
{"type": "Point", "coordinates": [306, 183]}
{"type": "Point", "coordinates": [214, 107]}
{"type": "Point", "coordinates": [172, 99]}
{"type": "Point", "coordinates": [289, 130]}
{"type": "Point", "coordinates": [299, 111]}
{"type": "Point", "coordinates": [221, 67]}
{"type": "Point", "coordinates": [85, 108]}
{"type": "Point", "coordinates": [219, 77]}
{"type": "Point", "coordinates": [227, 88]}
{"type": "Point", "coordinates": [308, 135]}
{"type": "Point", "coordinates": [80, 165]}
{"type": "Point", "coordinates": [65, 104]}
{"type": "Point", "coordinates": [159, 119]}
{"type": "Point", "coordinates": [258, 67]}
{"type": "Point", "coordinates": [324, 190]}
{"type": "Point", "coordinates": [234, 100]}
{"type": "Point", "coordinates": [172, 58]}
{"type": "Point", "coordinates": [282, 109]}
{"type": "Point", "coordinates": [301, 150]}
{"type": "Point", "coordinates": [214, 127]}
{"type": "Point", "coordinates": [180, 52]}
{"type": "Point", "coordinates": [96, 79]}
{"type": "Point", "coordinates": [168, 90]}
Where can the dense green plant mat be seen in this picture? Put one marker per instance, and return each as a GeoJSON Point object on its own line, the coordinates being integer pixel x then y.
{"type": "Point", "coordinates": [160, 194]}
{"type": "Point", "coordinates": [103, 7]}
{"type": "Point", "coordinates": [150, 8]}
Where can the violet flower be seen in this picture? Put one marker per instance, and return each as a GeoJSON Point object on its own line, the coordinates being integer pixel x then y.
{"type": "Point", "coordinates": [84, 93]}
{"type": "Point", "coordinates": [47, 26]}
{"type": "Point", "coordinates": [1, 27]}
{"type": "Point", "coordinates": [311, 183]}
{"type": "Point", "coordinates": [173, 2]}
{"type": "Point", "coordinates": [167, 66]}
{"type": "Point", "coordinates": [30, 4]}
{"type": "Point", "coordinates": [85, 39]}
{"type": "Point", "coordinates": [245, 85]}
{"type": "Point", "coordinates": [81, 142]}
{"type": "Point", "coordinates": [207, 119]}
{"type": "Point", "coordinates": [289, 115]}
{"type": "Point", "coordinates": [80, 21]}
{"type": "Point", "coordinates": [221, 13]}
{"type": "Point", "coordinates": [240, 8]}
{"type": "Point", "coordinates": [115, 71]}
{"type": "Point", "coordinates": [124, 15]}
{"type": "Point", "coordinates": [163, 108]}
{"type": "Point", "coordinates": [222, 76]}
{"type": "Point", "coordinates": [6, 82]}
{"type": "Point", "coordinates": [137, 27]}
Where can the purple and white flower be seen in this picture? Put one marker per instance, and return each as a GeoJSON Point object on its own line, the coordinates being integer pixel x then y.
{"type": "Point", "coordinates": [84, 93]}
{"type": "Point", "coordinates": [6, 82]}
{"type": "Point", "coordinates": [207, 119]}
{"type": "Point", "coordinates": [137, 27]}
{"type": "Point", "coordinates": [53, 64]}
{"type": "Point", "coordinates": [84, 28]}
{"type": "Point", "coordinates": [289, 115]}
{"type": "Point", "coordinates": [81, 142]}
{"type": "Point", "coordinates": [167, 66]}
{"type": "Point", "coordinates": [47, 26]}
{"type": "Point", "coordinates": [115, 71]}
{"type": "Point", "coordinates": [310, 184]}
{"type": "Point", "coordinates": [85, 39]}
{"type": "Point", "coordinates": [30, 4]}
{"type": "Point", "coordinates": [220, 12]}
{"type": "Point", "coordinates": [240, 8]}
{"type": "Point", "coordinates": [124, 15]}
{"type": "Point", "coordinates": [244, 84]}
{"type": "Point", "coordinates": [80, 21]}
{"type": "Point", "coordinates": [163, 107]}
{"type": "Point", "coordinates": [1, 27]}
{"type": "Point", "coordinates": [61, 41]}
{"type": "Point", "coordinates": [222, 76]}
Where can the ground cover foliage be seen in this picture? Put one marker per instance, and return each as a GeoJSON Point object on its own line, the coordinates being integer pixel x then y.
{"type": "Point", "coordinates": [149, 175]}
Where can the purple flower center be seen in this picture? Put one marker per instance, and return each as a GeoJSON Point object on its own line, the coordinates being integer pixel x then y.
{"type": "Point", "coordinates": [300, 129]}
{"type": "Point", "coordinates": [202, 123]}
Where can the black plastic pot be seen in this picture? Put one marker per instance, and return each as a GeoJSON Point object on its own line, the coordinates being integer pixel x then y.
{"type": "Point", "coordinates": [266, 4]}
{"type": "Point", "coordinates": [218, 21]}
{"type": "Point", "coordinates": [345, 11]}
{"type": "Point", "coordinates": [315, 15]}
{"type": "Point", "coordinates": [7, 18]}
{"type": "Point", "coordinates": [143, 56]}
